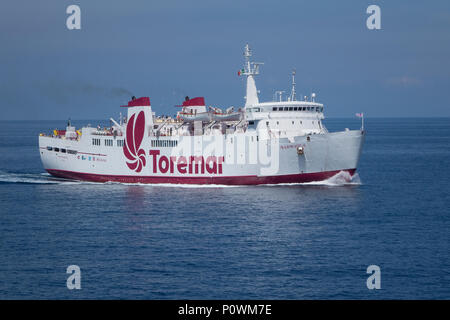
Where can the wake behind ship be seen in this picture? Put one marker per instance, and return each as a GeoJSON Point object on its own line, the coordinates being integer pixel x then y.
{"type": "Point", "coordinates": [274, 142]}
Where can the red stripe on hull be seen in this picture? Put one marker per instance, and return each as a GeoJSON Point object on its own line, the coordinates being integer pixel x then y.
{"type": "Point", "coordinates": [230, 180]}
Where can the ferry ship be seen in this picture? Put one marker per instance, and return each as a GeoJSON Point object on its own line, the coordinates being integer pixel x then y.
{"type": "Point", "coordinates": [277, 142]}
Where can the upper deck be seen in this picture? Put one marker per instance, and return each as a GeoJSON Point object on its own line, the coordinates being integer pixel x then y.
{"type": "Point", "coordinates": [291, 117]}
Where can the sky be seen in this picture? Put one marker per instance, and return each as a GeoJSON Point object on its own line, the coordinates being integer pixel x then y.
{"type": "Point", "coordinates": [169, 49]}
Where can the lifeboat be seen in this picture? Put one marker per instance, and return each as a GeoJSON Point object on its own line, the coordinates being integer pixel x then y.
{"type": "Point", "coordinates": [189, 117]}
{"type": "Point", "coordinates": [194, 110]}
{"type": "Point", "coordinates": [228, 115]}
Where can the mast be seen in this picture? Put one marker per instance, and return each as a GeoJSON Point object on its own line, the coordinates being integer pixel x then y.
{"type": "Point", "coordinates": [293, 93]}
{"type": "Point", "coordinates": [251, 69]}
{"type": "Point", "coordinates": [280, 95]}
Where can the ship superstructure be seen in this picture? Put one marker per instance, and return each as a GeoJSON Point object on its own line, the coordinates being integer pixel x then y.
{"type": "Point", "coordinates": [281, 141]}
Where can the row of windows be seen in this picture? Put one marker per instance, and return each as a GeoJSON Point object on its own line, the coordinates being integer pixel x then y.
{"type": "Point", "coordinates": [62, 150]}
{"type": "Point", "coordinates": [108, 142]}
{"type": "Point", "coordinates": [164, 143]}
{"type": "Point", "coordinates": [317, 109]}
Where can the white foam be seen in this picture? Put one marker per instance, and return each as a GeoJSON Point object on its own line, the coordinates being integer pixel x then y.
{"type": "Point", "coordinates": [342, 178]}
{"type": "Point", "coordinates": [32, 178]}
{"type": "Point", "coordinates": [24, 178]}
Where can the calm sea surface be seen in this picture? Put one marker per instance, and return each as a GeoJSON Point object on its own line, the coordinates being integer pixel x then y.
{"type": "Point", "coordinates": [265, 242]}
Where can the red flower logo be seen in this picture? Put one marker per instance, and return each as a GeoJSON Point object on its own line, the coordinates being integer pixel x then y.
{"type": "Point", "coordinates": [131, 147]}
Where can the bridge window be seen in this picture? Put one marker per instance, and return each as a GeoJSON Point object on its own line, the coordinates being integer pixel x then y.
{"type": "Point", "coordinates": [274, 108]}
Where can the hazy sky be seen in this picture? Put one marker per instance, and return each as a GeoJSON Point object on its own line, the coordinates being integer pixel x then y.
{"type": "Point", "coordinates": [169, 49]}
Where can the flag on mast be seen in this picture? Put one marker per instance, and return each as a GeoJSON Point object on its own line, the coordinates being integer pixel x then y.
{"type": "Point", "coordinates": [361, 116]}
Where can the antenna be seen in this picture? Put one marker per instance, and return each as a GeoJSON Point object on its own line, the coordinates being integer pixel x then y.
{"type": "Point", "coordinates": [293, 93]}
{"type": "Point", "coordinates": [250, 68]}
{"type": "Point", "coordinates": [280, 95]}
{"type": "Point", "coordinates": [247, 55]}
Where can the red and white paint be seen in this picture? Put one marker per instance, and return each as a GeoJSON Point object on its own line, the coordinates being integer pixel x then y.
{"type": "Point", "coordinates": [208, 150]}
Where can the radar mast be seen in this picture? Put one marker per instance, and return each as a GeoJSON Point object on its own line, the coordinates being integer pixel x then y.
{"type": "Point", "coordinates": [251, 69]}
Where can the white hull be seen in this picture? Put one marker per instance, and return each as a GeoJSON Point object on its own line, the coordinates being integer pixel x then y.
{"type": "Point", "coordinates": [323, 156]}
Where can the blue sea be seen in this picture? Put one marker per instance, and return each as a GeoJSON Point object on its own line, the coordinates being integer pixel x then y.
{"type": "Point", "coordinates": [311, 241]}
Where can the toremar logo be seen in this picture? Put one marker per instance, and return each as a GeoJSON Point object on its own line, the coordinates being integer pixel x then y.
{"type": "Point", "coordinates": [132, 146]}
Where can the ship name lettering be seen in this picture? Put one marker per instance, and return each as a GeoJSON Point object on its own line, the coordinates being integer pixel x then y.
{"type": "Point", "coordinates": [183, 164]}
